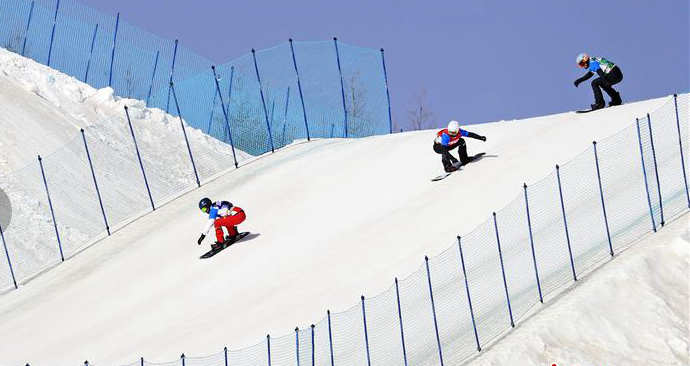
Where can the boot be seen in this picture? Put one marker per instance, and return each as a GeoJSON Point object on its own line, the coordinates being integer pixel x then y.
{"type": "Point", "coordinates": [217, 246]}
{"type": "Point", "coordinates": [598, 105]}
{"type": "Point", "coordinates": [230, 239]}
{"type": "Point", "coordinates": [615, 99]}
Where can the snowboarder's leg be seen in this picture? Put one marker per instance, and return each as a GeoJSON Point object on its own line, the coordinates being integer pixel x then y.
{"type": "Point", "coordinates": [230, 223]}
{"type": "Point", "coordinates": [462, 152]}
{"type": "Point", "coordinates": [614, 77]}
{"type": "Point", "coordinates": [446, 158]}
{"type": "Point", "coordinates": [597, 85]}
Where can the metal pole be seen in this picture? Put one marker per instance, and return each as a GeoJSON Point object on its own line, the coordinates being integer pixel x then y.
{"type": "Point", "coordinates": [7, 254]}
{"type": "Point", "coordinates": [313, 352]}
{"type": "Point", "coordinates": [388, 94]}
{"type": "Point", "coordinates": [153, 76]}
{"type": "Point", "coordinates": [469, 299]}
{"type": "Point", "coordinates": [263, 101]}
{"type": "Point", "coordinates": [297, 344]}
{"type": "Point", "coordinates": [172, 72]}
{"type": "Point", "coordinates": [402, 333]}
{"type": "Point", "coordinates": [182, 357]}
{"type": "Point", "coordinates": [26, 32]}
{"type": "Point", "coordinates": [503, 272]}
{"type": "Point", "coordinates": [141, 361]}
{"type": "Point", "coordinates": [225, 355]}
{"type": "Point", "coordinates": [268, 347]}
{"type": "Point", "coordinates": [88, 62]}
{"type": "Point", "coordinates": [656, 169]}
{"type": "Point", "coordinates": [213, 106]}
{"type": "Point", "coordinates": [680, 145]}
{"type": "Point", "coordinates": [136, 147]}
{"type": "Point", "coordinates": [287, 103]}
{"type": "Point", "coordinates": [565, 222]}
{"type": "Point", "coordinates": [342, 84]}
{"type": "Point", "coordinates": [50, 204]}
{"type": "Point", "coordinates": [95, 183]}
{"type": "Point", "coordinates": [225, 114]}
{"type": "Point", "coordinates": [299, 86]}
{"type": "Point", "coordinates": [433, 309]}
{"type": "Point", "coordinates": [227, 110]}
{"type": "Point", "coordinates": [531, 241]}
{"type": "Point", "coordinates": [112, 55]}
{"type": "Point", "coordinates": [330, 336]}
{"type": "Point", "coordinates": [644, 172]}
{"type": "Point", "coordinates": [52, 34]}
{"type": "Point", "coordinates": [601, 193]}
{"type": "Point", "coordinates": [184, 132]}
{"type": "Point", "coordinates": [366, 333]}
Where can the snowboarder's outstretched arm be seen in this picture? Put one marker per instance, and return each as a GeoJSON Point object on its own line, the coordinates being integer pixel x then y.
{"type": "Point", "coordinates": [475, 136]}
{"type": "Point", "coordinates": [588, 75]}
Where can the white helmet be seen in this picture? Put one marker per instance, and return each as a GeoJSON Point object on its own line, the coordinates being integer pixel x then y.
{"type": "Point", "coordinates": [453, 127]}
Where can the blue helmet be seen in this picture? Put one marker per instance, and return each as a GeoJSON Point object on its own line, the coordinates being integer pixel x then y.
{"type": "Point", "coordinates": [205, 203]}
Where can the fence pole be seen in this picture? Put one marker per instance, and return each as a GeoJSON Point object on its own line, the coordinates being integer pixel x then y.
{"type": "Point", "coordinates": [136, 147]}
{"type": "Point", "coordinates": [88, 61]}
{"type": "Point", "coordinates": [388, 94]}
{"type": "Point", "coordinates": [469, 299]}
{"type": "Point", "coordinates": [95, 183]}
{"type": "Point", "coordinates": [297, 344]}
{"type": "Point", "coordinates": [112, 54]}
{"type": "Point", "coordinates": [172, 72]}
{"type": "Point", "coordinates": [153, 76]}
{"type": "Point", "coordinates": [531, 241]}
{"type": "Point", "coordinates": [141, 361]}
{"type": "Point", "coordinates": [225, 355]}
{"type": "Point", "coordinates": [644, 172]}
{"type": "Point", "coordinates": [213, 106]}
{"type": "Point", "coordinates": [227, 110]}
{"type": "Point", "coordinates": [299, 86]}
{"type": "Point", "coordinates": [503, 272]}
{"type": "Point", "coordinates": [225, 114]}
{"type": "Point", "coordinates": [680, 145]}
{"type": "Point", "coordinates": [183, 362]}
{"type": "Point", "coordinates": [50, 204]}
{"type": "Point", "coordinates": [330, 336]}
{"type": "Point", "coordinates": [287, 104]}
{"type": "Point", "coordinates": [268, 348]}
{"type": "Point", "coordinates": [601, 193]}
{"type": "Point", "coordinates": [28, 23]}
{"type": "Point", "coordinates": [366, 333]}
{"type": "Point", "coordinates": [402, 333]}
{"type": "Point", "coordinates": [433, 309]}
{"type": "Point", "coordinates": [656, 169]}
{"type": "Point", "coordinates": [7, 254]}
{"type": "Point", "coordinates": [52, 34]}
{"type": "Point", "coordinates": [263, 101]}
{"type": "Point", "coordinates": [565, 222]}
{"type": "Point", "coordinates": [342, 84]}
{"type": "Point", "coordinates": [313, 353]}
{"type": "Point", "coordinates": [184, 132]}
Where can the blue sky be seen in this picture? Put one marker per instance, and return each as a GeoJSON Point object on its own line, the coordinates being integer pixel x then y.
{"type": "Point", "coordinates": [479, 61]}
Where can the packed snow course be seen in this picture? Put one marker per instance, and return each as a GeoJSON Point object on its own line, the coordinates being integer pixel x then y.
{"type": "Point", "coordinates": [335, 219]}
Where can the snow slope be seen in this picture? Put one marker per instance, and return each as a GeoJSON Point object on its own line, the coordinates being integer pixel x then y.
{"type": "Point", "coordinates": [335, 219]}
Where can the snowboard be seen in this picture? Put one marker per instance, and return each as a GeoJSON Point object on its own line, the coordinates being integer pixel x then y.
{"type": "Point", "coordinates": [457, 166]}
{"type": "Point", "coordinates": [213, 252]}
{"type": "Point", "coordinates": [592, 110]}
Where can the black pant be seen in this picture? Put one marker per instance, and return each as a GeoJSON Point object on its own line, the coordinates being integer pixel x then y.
{"type": "Point", "coordinates": [614, 77]}
{"type": "Point", "coordinates": [446, 158]}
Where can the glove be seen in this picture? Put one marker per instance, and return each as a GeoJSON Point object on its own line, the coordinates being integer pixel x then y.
{"type": "Point", "coordinates": [201, 238]}
{"type": "Point", "coordinates": [483, 138]}
{"type": "Point", "coordinates": [577, 82]}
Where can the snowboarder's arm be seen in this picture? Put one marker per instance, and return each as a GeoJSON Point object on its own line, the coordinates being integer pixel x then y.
{"type": "Point", "coordinates": [208, 226]}
{"type": "Point", "coordinates": [588, 75]}
{"type": "Point", "coordinates": [475, 136]}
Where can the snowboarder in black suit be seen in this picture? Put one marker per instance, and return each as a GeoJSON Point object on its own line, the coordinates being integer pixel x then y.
{"type": "Point", "coordinates": [609, 74]}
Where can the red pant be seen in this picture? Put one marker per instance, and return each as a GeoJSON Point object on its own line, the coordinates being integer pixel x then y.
{"type": "Point", "coordinates": [229, 222]}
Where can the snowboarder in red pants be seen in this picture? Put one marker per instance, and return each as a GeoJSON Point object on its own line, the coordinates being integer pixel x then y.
{"type": "Point", "coordinates": [221, 214]}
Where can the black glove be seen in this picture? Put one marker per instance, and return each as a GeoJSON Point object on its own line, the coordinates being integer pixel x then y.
{"type": "Point", "coordinates": [577, 82]}
{"type": "Point", "coordinates": [483, 138]}
{"type": "Point", "coordinates": [201, 238]}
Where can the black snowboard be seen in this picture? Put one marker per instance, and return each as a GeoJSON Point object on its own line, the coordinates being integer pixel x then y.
{"type": "Point", "coordinates": [458, 165]}
{"type": "Point", "coordinates": [228, 243]}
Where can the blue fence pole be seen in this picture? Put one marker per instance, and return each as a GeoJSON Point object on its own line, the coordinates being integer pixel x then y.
{"type": "Point", "coordinates": [433, 309]}
{"type": "Point", "coordinates": [287, 104]}
{"type": "Point", "coordinates": [52, 34]}
{"type": "Point", "coordinates": [50, 204]}
{"type": "Point", "coordinates": [112, 54]}
{"type": "Point", "coordinates": [225, 114]}
{"type": "Point", "coordinates": [28, 23]}
{"type": "Point", "coordinates": [297, 344]}
{"type": "Point", "coordinates": [366, 332]}
{"type": "Point", "coordinates": [213, 106]}
{"type": "Point", "coordinates": [402, 333]}
{"type": "Point", "coordinates": [469, 298]}
{"type": "Point", "coordinates": [183, 360]}
{"type": "Point", "coordinates": [531, 241]}
{"type": "Point", "coordinates": [388, 94]}
{"type": "Point", "coordinates": [263, 101]}
{"type": "Point", "coordinates": [342, 84]}
{"type": "Point", "coordinates": [299, 86]}
{"type": "Point", "coordinates": [95, 182]}
{"type": "Point", "coordinates": [565, 222]}
{"type": "Point", "coordinates": [225, 355]}
{"type": "Point", "coordinates": [313, 352]}
{"type": "Point", "coordinates": [503, 272]}
{"type": "Point", "coordinates": [88, 61]}
{"type": "Point", "coordinates": [7, 255]}
{"type": "Point", "coordinates": [227, 110]}
{"type": "Point", "coordinates": [601, 193]}
{"type": "Point", "coordinates": [172, 72]}
{"type": "Point", "coordinates": [141, 361]}
{"type": "Point", "coordinates": [644, 172]}
{"type": "Point", "coordinates": [184, 132]}
{"type": "Point", "coordinates": [153, 76]}
{"type": "Point", "coordinates": [680, 145]}
{"type": "Point", "coordinates": [330, 336]}
{"type": "Point", "coordinates": [136, 148]}
{"type": "Point", "coordinates": [656, 169]}
{"type": "Point", "coordinates": [268, 348]}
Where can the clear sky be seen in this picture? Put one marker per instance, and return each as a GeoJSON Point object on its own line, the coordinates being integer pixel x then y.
{"type": "Point", "coordinates": [479, 61]}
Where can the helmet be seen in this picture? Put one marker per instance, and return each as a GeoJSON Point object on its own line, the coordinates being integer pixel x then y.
{"type": "Point", "coordinates": [205, 204]}
{"type": "Point", "coordinates": [582, 60]}
{"type": "Point", "coordinates": [453, 127]}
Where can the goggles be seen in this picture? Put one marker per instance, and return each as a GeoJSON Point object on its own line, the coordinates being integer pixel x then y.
{"type": "Point", "coordinates": [204, 209]}
{"type": "Point", "coordinates": [583, 63]}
